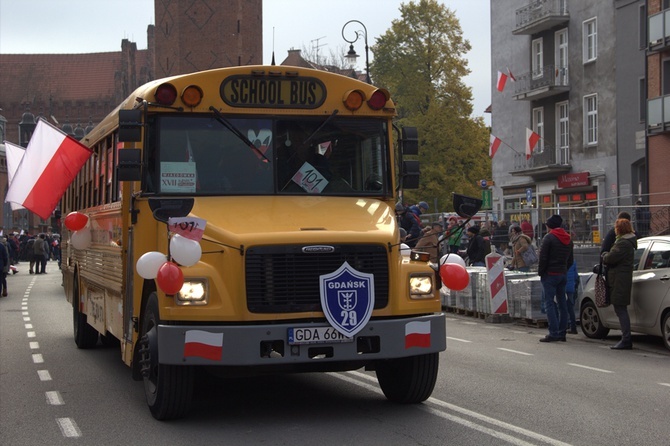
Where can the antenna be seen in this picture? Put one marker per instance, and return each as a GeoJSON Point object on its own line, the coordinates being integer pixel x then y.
{"type": "Point", "coordinates": [317, 47]}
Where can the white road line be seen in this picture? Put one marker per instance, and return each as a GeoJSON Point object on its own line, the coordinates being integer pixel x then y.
{"type": "Point", "coordinates": [665, 384]}
{"type": "Point", "coordinates": [470, 323]}
{"type": "Point", "coordinates": [68, 427]}
{"type": "Point", "coordinates": [38, 358]}
{"type": "Point", "coordinates": [25, 313]}
{"type": "Point", "coordinates": [54, 398]}
{"type": "Point", "coordinates": [515, 351]}
{"type": "Point", "coordinates": [590, 368]}
{"type": "Point", "coordinates": [25, 299]}
{"type": "Point", "coordinates": [44, 375]}
{"type": "Point", "coordinates": [26, 319]}
{"type": "Point", "coordinates": [31, 334]}
{"type": "Point", "coordinates": [34, 345]}
{"type": "Point", "coordinates": [29, 326]}
{"type": "Point", "coordinates": [24, 308]}
{"type": "Point", "coordinates": [457, 339]}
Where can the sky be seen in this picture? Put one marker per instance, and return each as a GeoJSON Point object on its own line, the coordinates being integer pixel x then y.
{"type": "Point", "coordinates": [91, 26]}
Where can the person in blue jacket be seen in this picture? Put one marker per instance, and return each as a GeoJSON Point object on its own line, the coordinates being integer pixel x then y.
{"type": "Point", "coordinates": [571, 289]}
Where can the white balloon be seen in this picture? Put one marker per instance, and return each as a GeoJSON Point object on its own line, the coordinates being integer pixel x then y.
{"type": "Point", "coordinates": [405, 250]}
{"type": "Point", "coordinates": [81, 239]}
{"type": "Point", "coordinates": [149, 263]}
{"type": "Point", "coordinates": [185, 251]}
{"type": "Point", "coordinates": [452, 258]}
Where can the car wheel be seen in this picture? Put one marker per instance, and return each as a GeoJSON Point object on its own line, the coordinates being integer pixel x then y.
{"type": "Point", "coordinates": [592, 326]}
{"type": "Point", "coordinates": [665, 328]}
{"type": "Point", "coordinates": [408, 380]}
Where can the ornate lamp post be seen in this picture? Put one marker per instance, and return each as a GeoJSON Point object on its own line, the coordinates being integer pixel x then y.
{"type": "Point", "coordinates": [351, 56]}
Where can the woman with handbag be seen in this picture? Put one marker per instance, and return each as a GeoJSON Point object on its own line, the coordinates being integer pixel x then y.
{"type": "Point", "coordinates": [619, 262]}
{"type": "Point", "coordinates": [520, 244]}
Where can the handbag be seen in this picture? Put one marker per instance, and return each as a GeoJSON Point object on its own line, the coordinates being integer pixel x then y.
{"type": "Point", "coordinates": [529, 256]}
{"type": "Point", "coordinates": [602, 298]}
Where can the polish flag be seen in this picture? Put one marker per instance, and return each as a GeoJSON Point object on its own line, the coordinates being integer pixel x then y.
{"type": "Point", "coordinates": [531, 141]}
{"type": "Point", "coordinates": [203, 344]}
{"type": "Point", "coordinates": [511, 76]}
{"type": "Point", "coordinates": [502, 79]}
{"type": "Point", "coordinates": [493, 146]}
{"type": "Point", "coordinates": [50, 163]}
{"type": "Point", "coordinates": [417, 334]}
{"type": "Point", "coordinates": [14, 156]}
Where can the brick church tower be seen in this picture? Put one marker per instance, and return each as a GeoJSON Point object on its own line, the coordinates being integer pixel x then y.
{"type": "Point", "coordinates": [204, 34]}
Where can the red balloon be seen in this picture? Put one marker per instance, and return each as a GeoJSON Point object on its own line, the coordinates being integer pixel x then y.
{"type": "Point", "coordinates": [170, 279]}
{"type": "Point", "coordinates": [454, 276]}
{"type": "Point", "coordinates": [76, 221]}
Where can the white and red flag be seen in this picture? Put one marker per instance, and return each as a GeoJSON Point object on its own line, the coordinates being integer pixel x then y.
{"type": "Point", "coordinates": [531, 141]}
{"type": "Point", "coordinates": [493, 145]}
{"type": "Point", "coordinates": [50, 163]}
{"type": "Point", "coordinates": [417, 334]}
{"type": "Point", "coordinates": [502, 80]}
{"type": "Point", "coordinates": [14, 156]}
{"type": "Point", "coordinates": [203, 344]}
{"type": "Point", "coordinates": [511, 76]}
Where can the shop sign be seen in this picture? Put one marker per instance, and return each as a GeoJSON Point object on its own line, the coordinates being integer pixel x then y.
{"type": "Point", "coordinates": [573, 179]}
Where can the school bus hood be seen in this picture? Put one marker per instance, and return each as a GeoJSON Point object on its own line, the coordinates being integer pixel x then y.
{"type": "Point", "coordinates": [263, 219]}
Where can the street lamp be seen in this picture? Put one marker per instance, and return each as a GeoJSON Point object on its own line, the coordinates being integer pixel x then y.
{"type": "Point", "coordinates": [351, 55]}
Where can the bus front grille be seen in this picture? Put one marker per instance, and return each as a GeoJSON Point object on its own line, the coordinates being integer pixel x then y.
{"type": "Point", "coordinates": [284, 279]}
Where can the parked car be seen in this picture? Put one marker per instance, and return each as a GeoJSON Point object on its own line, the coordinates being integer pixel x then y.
{"type": "Point", "coordinates": [649, 308]}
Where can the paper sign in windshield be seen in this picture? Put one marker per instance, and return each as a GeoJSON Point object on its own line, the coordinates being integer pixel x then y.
{"type": "Point", "coordinates": [190, 227]}
{"type": "Point", "coordinates": [178, 177]}
{"type": "Point", "coordinates": [310, 179]}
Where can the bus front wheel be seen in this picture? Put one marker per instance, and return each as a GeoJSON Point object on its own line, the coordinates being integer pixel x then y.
{"type": "Point", "coordinates": [168, 388]}
{"type": "Point", "coordinates": [408, 380]}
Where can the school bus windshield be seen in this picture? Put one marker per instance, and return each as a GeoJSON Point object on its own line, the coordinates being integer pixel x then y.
{"type": "Point", "coordinates": [199, 155]}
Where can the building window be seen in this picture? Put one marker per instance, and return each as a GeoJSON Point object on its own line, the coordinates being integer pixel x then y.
{"type": "Point", "coordinates": [591, 120]}
{"type": "Point", "coordinates": [643, 99]}
{"type": "Point", "coordinates": [561, 57]}
{"type": "Point", "coordinates": [590, 38]}
{"type": "Point", "coordinates": [538, 58]}
{"type": "Point", "coordinates": [562, 133]}
{"type": "Point", "coordinates": [538, 127]}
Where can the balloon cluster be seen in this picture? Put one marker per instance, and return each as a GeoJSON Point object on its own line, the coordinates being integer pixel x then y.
{"type": "Point", "coordinates": [168, 275]}
{"type": "Point", "coordinates": [81, 235]}
{"type": "Point", "coordinates": [453, 273]}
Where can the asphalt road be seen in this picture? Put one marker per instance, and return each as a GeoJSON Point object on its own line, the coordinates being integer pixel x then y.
{"type": "Point", "coordinates": [497, 385]}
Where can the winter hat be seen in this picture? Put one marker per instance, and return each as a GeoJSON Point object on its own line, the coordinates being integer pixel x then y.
{"type": "Point", "coordinates": [474, 229]}
{"type": "Point", "coordinates": [555, 221]}
{"type": "Point", "coordinates": [423, 205]}
{"type": "Point", "coordinates": [399, 207]}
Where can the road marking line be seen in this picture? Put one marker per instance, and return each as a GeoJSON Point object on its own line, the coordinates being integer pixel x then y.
{"type": "Point", "coordinates": [68, 427]}
{"type": "Point", "coordinates": [54, 398]}
{"type": "Point", "coordinates": [31, 334]}
{"type": "Point", "coordinates": [665, 384]}
{"type": "Point", "coordinates": [26, 319]}
{"type": "Point", "coordinates": [34, 345]}
{"type": "Point", "coordinates": [24, 308]}
{"type": "Point", "coordinates": [44, 375]}
{"type": "Point", "coordinates": [590, 368]}
{"type": "Point", "coordinates": [38, 358]}
{"type": "Point", "coordinates": [515, 351]}
{"type": "Point", "coordinates": [457, 339]}
{"type": "Point", "coordinates": [29, 326]}
{"type": "Point", "coordinates": [25, 299]}
{"type": "Point", "coordinates": [470, 323]}
{"type": "Point", "coordinates": [25, 313]}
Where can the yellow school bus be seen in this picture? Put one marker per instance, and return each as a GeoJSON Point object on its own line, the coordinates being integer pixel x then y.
{"type": "Point", "coordinates": [290, 176]}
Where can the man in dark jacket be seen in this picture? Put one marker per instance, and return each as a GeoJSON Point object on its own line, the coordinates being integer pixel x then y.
{"type": "Point", "coordinates": [407, 221]}
{"type": "Point", "coordinates": [478, 247]}
{"type": "Point", "coordinates": [556, 256]}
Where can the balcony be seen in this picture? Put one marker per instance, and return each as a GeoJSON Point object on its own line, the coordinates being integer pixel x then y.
{"type": "Point", "coordinates": [658, 115]}
{"type": "Point", "coordinates": [550, 80]}
{"type": "Point", "coordinates": [658, 27]}
{"type": "Point", "coordinates": [543, 165]}
{"type": "Point", "coordinates": [541, 15]}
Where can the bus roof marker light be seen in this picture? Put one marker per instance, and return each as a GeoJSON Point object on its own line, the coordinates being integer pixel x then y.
{"type": "Point", "coordinates": [166, 94]}
{"type": "Point", "coordinates": [378, 99]}
{"type": "Point", "coordinates": [192, 96]}
{"type": "Point", "coordinates": [353, 99]}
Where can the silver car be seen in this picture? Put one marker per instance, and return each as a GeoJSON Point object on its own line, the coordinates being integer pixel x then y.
{"type": "Point", "coordinates": [649, 308]}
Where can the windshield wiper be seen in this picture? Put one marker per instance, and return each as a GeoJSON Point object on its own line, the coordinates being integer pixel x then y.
{"type": "Point", "coordinates": [310, 137]}
{"type": "Point", "coordinates": [235, 131]}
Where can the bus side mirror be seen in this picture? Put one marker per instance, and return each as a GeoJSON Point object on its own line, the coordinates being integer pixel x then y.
{"type": "Point", "coordinates": [409, 141]}
{"type": "Point", "coordinates": [130, 165]}
{"type": "Point", "coordinates": [130, 125]}
{"type": "Point", "coordinates": [410, 174]}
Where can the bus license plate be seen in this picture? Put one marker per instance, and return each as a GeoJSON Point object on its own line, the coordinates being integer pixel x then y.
{"type": "Point", "coordinates": [315, 335]}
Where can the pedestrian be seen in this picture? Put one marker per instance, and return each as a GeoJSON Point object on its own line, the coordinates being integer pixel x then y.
{"type": "Point", "coordinates": [429, 241]}
{"type": "Point", "coordinates": [571, 289]}
{"type": "Point", "coordinates": [555, 258]}
{"type": "Point", "coordinates": [41, 250]}
{"type": "Point", "coordinates": [30, 252]}
{"type": "Point", "coordinates": [478, 247]}
{"type": "Point", "coordinates": [520, 244]}
{"type": "Point", "coordinates": [409, 223]}
{"type": "Point", "coordinates": [454, 235]}
{"type": "Point", "coordinates": [619, 261]}
{"type": "Point", "coordinates": [610, 237]}
{"type": "Point", "coordinates": [527, 228]}
{"type": "Point", "coordinates": [501, 237]}
{"type": "Point", "coordinates": [4, 265]}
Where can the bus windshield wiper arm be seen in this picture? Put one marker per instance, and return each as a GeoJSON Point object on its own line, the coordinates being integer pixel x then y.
{"type": "Point", "coordinates": [235, 131]}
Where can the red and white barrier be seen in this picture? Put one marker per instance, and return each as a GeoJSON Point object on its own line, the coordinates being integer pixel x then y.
{"type": "Point", "coordinates": [495, 277]}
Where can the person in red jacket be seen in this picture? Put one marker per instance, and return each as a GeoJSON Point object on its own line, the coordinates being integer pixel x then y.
{"type": "Point", "coordinates": [527, 229]}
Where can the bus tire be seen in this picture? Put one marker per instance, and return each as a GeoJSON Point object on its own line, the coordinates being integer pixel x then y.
{"type": "Point", "coordinates": [168, 388]}
{"type": "Point", "coordinates": [85, 336]}
{"type": "Point", "coordinates": [408, 380]}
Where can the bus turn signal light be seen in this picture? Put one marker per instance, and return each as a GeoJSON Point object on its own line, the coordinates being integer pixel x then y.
{"type": "Point", "coordinates": [353, 99]}
{"type": "Point", "coordinates": [191, 96]}
{"type": "Point", "coordinates": [166, 94]}
{"type": "Point", "coordinates": [378, 99]}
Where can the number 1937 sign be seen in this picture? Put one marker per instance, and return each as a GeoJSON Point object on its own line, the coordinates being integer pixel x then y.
{"type": "Point", "coordinates": [347, 299]}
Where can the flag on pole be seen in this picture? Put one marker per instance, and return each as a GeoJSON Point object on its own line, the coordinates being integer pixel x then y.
{"type": "Point", "coordinates": [493, 146]}
{"type": "Point", "coordinates": [531, 141]}
{"type": "Point", "coordinates": [502, 79]}
{"type": "Point", "coordinates": [511, 76]}
{"type": "Point", "coordinates": [14, 155]}
{"type": "Point", "coordinates": [50, 163]}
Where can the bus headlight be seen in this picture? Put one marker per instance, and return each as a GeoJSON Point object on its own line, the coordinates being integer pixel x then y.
{"type": "Point", "coordinates": [421, 286]}
{"type": "Point", "coordinates": [193, 292]}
